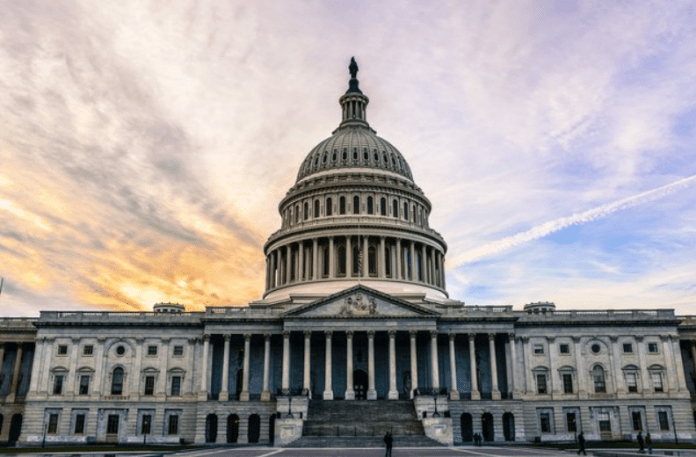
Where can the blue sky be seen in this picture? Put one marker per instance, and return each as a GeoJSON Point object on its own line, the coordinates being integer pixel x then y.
{"type": "Point", "coordinates": [145, 145]}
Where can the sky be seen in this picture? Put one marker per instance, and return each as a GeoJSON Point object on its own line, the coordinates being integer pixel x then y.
{"type": "Point", "coordinates": [145, 145]}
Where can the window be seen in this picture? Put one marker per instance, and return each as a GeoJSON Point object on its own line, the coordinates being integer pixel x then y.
{"type": "Point", "coordinates": [383, 206]}
{"type": "Point", "coordinates": [146, 424]}
{"type": "Point", "coordinates": [79, 424]}
{"type": "Point", "coordinates": [58, 384]}
{"type": "Point", "coordinates": [152, 350]}
{"type": "Point", "coordinates": [112, 424]}
{"type": "Point", "coordinates": [370, 205]}
{"type": "Point", "coordinates": [395, 208]}
{"type": "Point", "coordinates": [545, 422]}
{"type": "Point", "coordinates": [596, 348]}
{"type": "Point", "coordinates": [316, 208]}
{"type": "Point", "coordinates": [632, 382]}
{"type": "Point", "coordinates": [564, 349]}
{"type": "Point", "coordinates": [405, 210]}
{"type": "Point", "coordinates": [117, 382]}
{"type": "Point", "coordinates": [538, 349]}
{"type": "Point", "coordinates": [342, 205]}
{"type": "Point", "coordinates": [120, 350]}
{"type": "Point", "coordinates": [598, 376]}
{"type": "Point", "coordinates": [637, 421]}
{"type": "Point", "coordinates": [329, 209]}
{"type": "Point", "coordinates": [656, 377]}
{"type": "Point", "coordinates": [356, 205]}
{"type": "Point", "coordinates": [52, 424]}
{"type": "Point", "coordinates": [652, 348]}
{"type": "Point", "coordinates": [541, 383]}
{"type": "Point", "coordinates": [149, 385]}
{"type": "Point", "coordinates": [87, 349]}
{"type": "Point", "coordinates": [628, 348]}
{"type": "Point", "coordinates": [604, 422]}
{"type": "Point", "coordinates": [176, 385]}
{"type": "Point", "coordinates": [178, 351]}
{"type": "Point", "coordinates": [173, 425]}
{"type": "Point", "coordinates": [567, 383]}
{"type": "Point", "coordinates": [297, 207]}
{"type": "Point", "coordinates": [663, 420]}
{"type": "Point", "coordinates": [84, 384]}
{"type": "Point", "coordinates": [571, 422]}
{"type": "Point", "coordinates": [62, 349]}
{"type": "Point", "coordinates": [305, 213]}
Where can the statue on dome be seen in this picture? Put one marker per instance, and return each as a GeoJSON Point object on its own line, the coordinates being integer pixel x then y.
{"type": "Point", "coordinates": [353, 68]}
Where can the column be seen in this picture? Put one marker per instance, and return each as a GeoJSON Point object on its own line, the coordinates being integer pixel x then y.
{"type": "Point", "coordinates": [398, 259]}
{"type": "Point", "coordinates": [366, 257]}
{"type": "Point", "coordinates": [98, 366]}
{"type": "Point", "coordinates": [281, 267]}
{"type": "Point", "coordinates": [224, 392]}
{"type": "Point", "coordinates": [423, 265]}
{"type": "Point", "coordinates": [431, 266]}
{"type": "Point", "coordinates": [349, 257]}
{"type": "Point", "coordinates": [307, 381]}
{"type": "Point", "coordinates": [274, 280]}
{"type": "Point", "coordinates": [315, 259]}
{"type": "Point", "coordinates": [454, 393]}
{"type": "Point", "coordinates": [268, 269]}
{"type": "Point", "coordinates": [72, 368]}
{"type": "Point", "coordinates": [328, 388]}
{"type": "Point", "coordinates": [265, 393]}
{"type": "Point", "coordinates": [679, 363]}
{"type": "Point", "coordinates": [332, 255]}
{"type": "Point", "coordinates": [285, 383]}
{"type": "Point", "coordinates": [414, 363]}
{"type": "Point", "coordinates": [382, 258]}
{"type": "Point", "coordinates": [495, 392]}
{"type": "Point", "coordinates": [300, 268]}
{"type": "Point", "coordinates": [288, 263]}
{"type": "Point", "coordinates": [438, 268]}
{"type": "Point", "coordinates": [434, 366]}
{"type": "Point", "coordinates": [15, 374]}
{"type": "Point", "coordinates": [393, 394]}
{"type": "Point", "coordinates": [512, 380]}
{"type": "Point", "coordinates": [579, 367]}
{"type": "Point", "coordinates": [371, 392]}
{"type": "Point", "coordinates": [444, 281]}
{"type": "Point", "coordinates": [615, 363]}
{"type": "Point", "coordinates": [693, 355]}
{"type": "Point", "coordinates": [475, 394]}
{"type": "Point", "coordinates": [244, 394]}
{"type": "Point", "coordinates": [350, 393]}
{"type": "Point", "coordinates": [413, 273]}
{"type": "Point", "coordinates": [204, 369]}
{"type": "Point", "coordinates": [670, 368]}
{"type": "Point", "coordinates": [164, 368]}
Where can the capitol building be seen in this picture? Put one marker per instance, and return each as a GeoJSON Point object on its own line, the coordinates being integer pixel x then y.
{"type": "Point", "coordinates": [355, 335]}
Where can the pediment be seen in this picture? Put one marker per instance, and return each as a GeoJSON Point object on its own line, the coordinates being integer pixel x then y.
{"type": "Point", "coordinates": [361, 302]}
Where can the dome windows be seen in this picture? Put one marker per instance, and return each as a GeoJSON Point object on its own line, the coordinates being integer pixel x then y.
{"type": "Point", "coordinates": [370, 205]}
{"type": "Point", "coordinates": [395, 208]}
{"type": "Point", "coordinates": [366, 156]}
{"type": "Point", "coordinates": [342, 205]}
{"type": "Point", "coordinates": [316, 208]}
{"type": "Point", "coordinates": [383, 206]}
{"type": "Point", "coordinates": [405, 210]}
{"type": "Point", "coordinates": [345, 154]}
{"type": "Point", "coordinates": [356, 205]}
{"type": "Point", "coordinates": [329, 210]}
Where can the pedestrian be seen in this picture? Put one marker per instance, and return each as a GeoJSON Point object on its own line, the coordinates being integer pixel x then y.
{"type": "Point", "coordinates": [648, 442]}
{"type": "Point", "coordinates": [641, 446]}
{"type": "Point", "coordinates": [581, 443]}
{"type": "Point", "coordinates": [388, 441]}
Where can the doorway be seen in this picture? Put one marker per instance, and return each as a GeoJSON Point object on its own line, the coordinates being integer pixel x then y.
{"type": "Point", "coordinates": [232, 428]}
{"type": "Point", "coordinates": [487, 427]}
{"type": "Point", "coordinates": [15, 428]}
{"type": "Point", "coordinates": [360, 384]}
{"type": "Point", "coordinates": [211, 426]}
{"type": "Point", "coordinates": [467, 427]}
{"type": "Point", "coordinates": [509, 427]}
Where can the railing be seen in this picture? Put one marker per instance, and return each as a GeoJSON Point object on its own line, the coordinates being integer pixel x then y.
{"type": "Point", "coordinates": [601, 314]}
{"type": "Point", "coordinates": [115, 316]}
{"type": "Point", "coordinates": [485, 309]}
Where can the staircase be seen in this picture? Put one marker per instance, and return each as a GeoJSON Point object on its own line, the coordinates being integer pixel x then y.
{"type": "Point", "coordinates": [362, 423]}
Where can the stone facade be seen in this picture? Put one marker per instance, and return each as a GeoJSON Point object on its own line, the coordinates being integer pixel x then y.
{"type": "Point", "coordinates": [355, 308]}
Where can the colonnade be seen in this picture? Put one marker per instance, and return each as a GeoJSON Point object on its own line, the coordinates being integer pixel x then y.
{"type": "Point", "coordinates": [371, 394]}
{"type": "Point", "coordinates": [355, 256]}
{"type": "Point", "coordinates": [16, 368]}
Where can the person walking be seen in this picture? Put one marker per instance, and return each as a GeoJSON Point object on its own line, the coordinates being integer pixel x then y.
{"type": "Point", "coordinates": [641, 444]}
{"type": "Point", "coordinates": [581, 443]}
{"type": "Point", "coordinates": [388, 441]}
{"type": "Point", "coordinates": [648, 442]}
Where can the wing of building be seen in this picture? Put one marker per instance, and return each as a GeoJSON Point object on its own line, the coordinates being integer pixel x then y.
{"type": "Point", "coordinates": [355, 336]}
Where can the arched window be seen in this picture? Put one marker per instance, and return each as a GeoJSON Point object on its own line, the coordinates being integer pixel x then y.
{"type": "Point", "coordinates": [413, 213]}
{"type": "Point", "coordinates": [345, 154]}
{"type": "Point", "coordinates": [342, 205]}
{"type": "Point", "coordinates": [305, 213]}
{"type": "Point", "coordinates": [316, 208]}
{"type": "Point", "coordinates": [599, 382]}
{"type": "Point", "coordinates": [355, 154]}
{"type": "Point", "coordinates": [370, 205]}
{"type": "Point", "coordinates": [356, 205]}
{"type": "Point", "coordinates": [366, 156]}
{"type": "Point", "coordinates": [383, 206]}
{"type": "Point", "coordinates": [395, 208]}
{"type": "Point", "coordinates": [329, 209]}
{"type": "Point", "coordinates": [117, 381]}
{"type": "Point", "coordinates": [405, 210]}
{"type": "Point", "coordinates": [297, 213]}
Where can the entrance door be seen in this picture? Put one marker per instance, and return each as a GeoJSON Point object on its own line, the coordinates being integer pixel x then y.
{"type": "Point", "coordinates": [360, 384]}
{"type": "Point", "coordinates": [211, 425]}
{"type": "Point", "coordinates": [112, 421]}
{"type": "Point", "coordinates": [487, 426]}
{"type": "Point", "coordinates": [509, 427]}
{"type": "Point", "coordinates": [15, 428]}
{"type": "Point", "coordinates": [467, 428]}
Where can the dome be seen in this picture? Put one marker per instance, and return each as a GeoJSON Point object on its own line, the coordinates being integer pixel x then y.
{"type": "Point", "coordinates": [354, 147]}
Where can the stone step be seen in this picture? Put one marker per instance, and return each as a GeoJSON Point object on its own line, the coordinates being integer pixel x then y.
{"type": "Point", "coordinates": [362, 441]}
{"type": "Point", "coordinates": [408, 428]}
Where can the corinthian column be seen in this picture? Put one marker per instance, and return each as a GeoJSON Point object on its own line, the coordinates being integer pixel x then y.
{"type": "Point", "coordinates": [307, 385]}
{"type": "Point", "coordinates": [393, 393]}
{"type": "Point", "coordinates": [398, 258]}
{"type": "Point", "coordinates": [382, 257]}
{"type": "Point", "coordinates": [244, 394]}
{"type": "Point", "coordinates": [224, 392]}
{"type": "Point", "coordinates": [265, 393]}
{"type": "Point", "coordinates": [435, 372]}
{"type": "Point", "coordinates": [328, 388]}
{"type": "Point", "coordinates": [350, 393]}
{"type": "Point", "coordinates": [494, 367]}
{"type": "Point", "coordinates": [204, 368]}
{"type": "Point", "coordinates": [332, 262]}
{"type": "Point", "coordinates": [475, 394]}
{"type": "Point", "coordinates": [414, 363]}
{"type": "Point", "coordinates": [285, 382]}
{"type": "Point", "coordinates": [371, 392]}
{"type": "Point", "coordinates": [349, 257]}
{"type": "Point", "coordinates": [454, 393]}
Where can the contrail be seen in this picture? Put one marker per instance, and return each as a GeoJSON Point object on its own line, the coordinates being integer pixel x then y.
{"type": "Point", "coordinates": [542, 230]}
